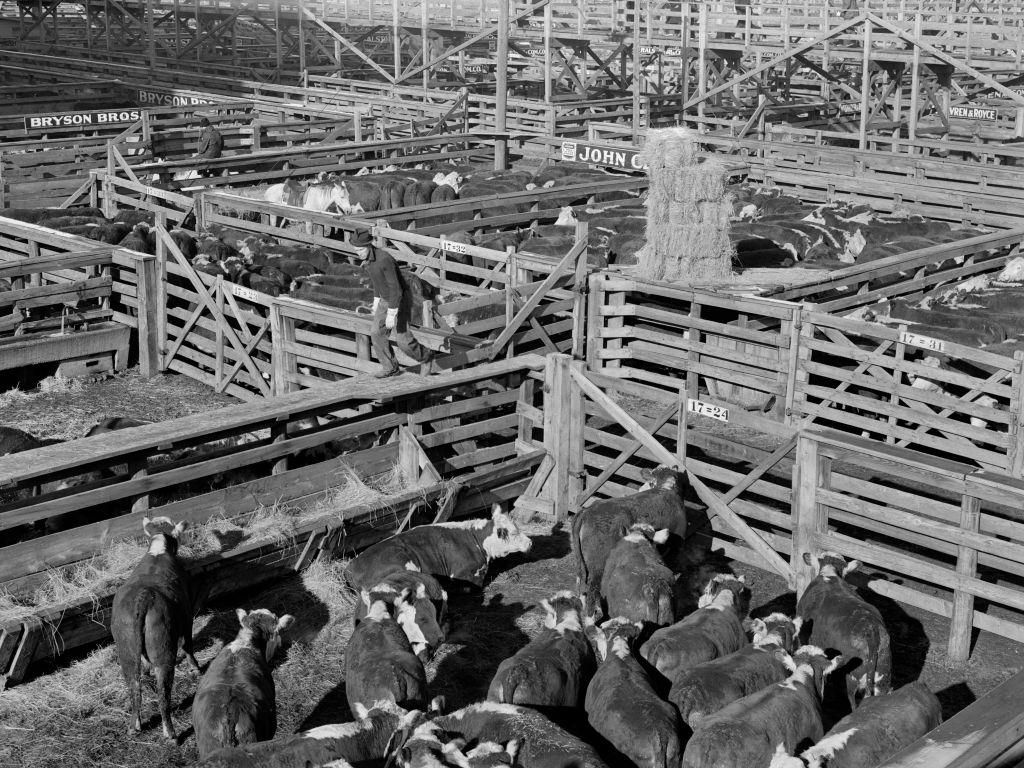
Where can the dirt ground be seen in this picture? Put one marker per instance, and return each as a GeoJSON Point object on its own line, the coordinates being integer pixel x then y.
{"type": "Point", "coordinates": [64, 409]}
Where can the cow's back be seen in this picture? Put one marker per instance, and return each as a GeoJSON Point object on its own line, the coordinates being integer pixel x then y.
{"type": "Point", "coordinates": [702, 636]}
{"type": "Point", "coordinates": [234, 702]}
{"type": "Point", "coordinates": [440, 551]}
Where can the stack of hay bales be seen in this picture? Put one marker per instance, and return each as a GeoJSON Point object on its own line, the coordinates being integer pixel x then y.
{"type": "Point", "coordinates": [688, 211]}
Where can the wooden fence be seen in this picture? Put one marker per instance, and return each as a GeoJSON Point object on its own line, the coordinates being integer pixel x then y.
{"type": "Point", "coordinates": [942, 533]}
{"type": "Point", "coordinates": [776, 367]}
{"type": "Point", "coordinates": [454, 438]}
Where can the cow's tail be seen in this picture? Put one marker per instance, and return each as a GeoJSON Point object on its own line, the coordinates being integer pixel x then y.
{"type": "Point", "coordinates": [131, 649]}
{"type": "Point", "coordinates": [581, 563]}
{"type": "Point", "coordinates": [882, 677]}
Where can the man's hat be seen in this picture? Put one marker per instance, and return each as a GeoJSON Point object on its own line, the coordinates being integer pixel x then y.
{"type": "Point", "coordinates": [361, 239]}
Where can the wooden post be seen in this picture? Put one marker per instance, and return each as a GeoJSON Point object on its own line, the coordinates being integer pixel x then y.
{"type": "Point", "coordinates": [865, 85]}
{"type": "Point", "coordinates": [1015, 454]}
{"type": "Point", "coordinates": [501, 92]}
{"type": "Point", "coordinates": [218, 366]}
{"type": "Point", "coordinates": [558, 421]}
{"type": "Point", "coordinates": [574, 439]}
{"type": "Point", "coordinates": [148, 298]}
{"type": "Point", "coordinates": [579, 289]}
{"type": "Point", "coordinates": [595, 300]}
{"type": "Point", "coordinates": [408, 456]}
{"type": "Point", "coordinates": [283, 362]}
{"type": "Point", "coordinates": [808, 517]}
{"type": "Point", "coordinates": [637, 79]}
{"type": "Point", "coordinates": [527, 397]}
{"type": "Point", "coordinates": [161, 289]}
{"type": "Point", "coordinates": [962, 620]}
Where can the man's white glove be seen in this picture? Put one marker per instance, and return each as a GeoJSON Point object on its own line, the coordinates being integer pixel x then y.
{"type": "Point", "coordinates": [389, 320]}
{"type": "Point", "coordinates": [376, 303]}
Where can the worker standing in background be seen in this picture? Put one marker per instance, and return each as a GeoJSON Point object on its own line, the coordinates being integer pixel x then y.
{"type": "Point", "coordinates": [211, 143]}
{"type": "Point", "coordinates": [391, 309]}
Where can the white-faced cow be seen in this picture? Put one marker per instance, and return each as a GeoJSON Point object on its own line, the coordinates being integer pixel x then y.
{"type": "Point", "coordinates": [542, 744]}
{"type": "Point", "coordinates": [552, 670]}
{"type": "Point", "coordinates": [427, 749]}
{"type": "Point", "coordinates": [715, 684]}
{"type": "Point", "coordinates": [745, 733]}
{"type": "Point", "coordinates": [877, 729]}
{"type": "Point", "coordinates": [152, 619]}
{"type": "Point", "coordinates": [458, 551]}
{"type": "Point", "coordinates": [380, 664]}
{"type": "Point", "coordinates": [623, 706]}
{"type": "Point", "coordinates": [599, 527]}
{"type": "Point", "coordinates": [636, 584]}
{"type": "Point", "coordinates": [236, 700]}
{"type": "Point", "coordinates": [841, 620]}
{"type": "Point", "coordinates": [428, 599]}
{"type": "Point", "coordinates": [368, 739]}
{"type": "Point", "coordinates": [714, 629]}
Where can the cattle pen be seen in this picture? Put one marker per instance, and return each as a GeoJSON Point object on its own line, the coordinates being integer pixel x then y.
{"type": "Point", "coordinates": [868, 402]}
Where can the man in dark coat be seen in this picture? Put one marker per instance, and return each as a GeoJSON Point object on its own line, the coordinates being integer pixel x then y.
{"type": "Point", "coordinates": [211, 143]}
{"type": "Point", "coordinates": [391, 309]}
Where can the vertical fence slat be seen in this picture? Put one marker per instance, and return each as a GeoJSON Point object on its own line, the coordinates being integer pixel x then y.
{"type": "Point", "coordinates": [962, 621]}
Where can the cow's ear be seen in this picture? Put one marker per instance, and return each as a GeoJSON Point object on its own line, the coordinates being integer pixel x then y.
{"type": "Point", "coordinates": [366, 598]}
{"type": "Point", "coordinates": [758, 628]}
{"type": "Point", "coordinates": [421, 591]}
{"type": "Point", "coordinates": [437, 704]}
{"type": "Point", "coordinates": [179, 528]}
{"type": "Point", "coordinates": [660, 537]}
{"type": "Point", "coordinates": [597, 636]}
{"type": "Point", "coordinates": [851, 567]}
{"type": "Point", "coordinates": [647, 475]}
{"type": "Point", "coordinates": [145, 526]}
{"type": "Point", "coordinates": [284, 622]}
{"type": "Point", "coordinates": [833, 665]}
{"type": "Point", "coordinates": [786, 659]}
{"type": "Point", "coordinates": [241, 614]}
{"type": "Point", "coordinates": [742, 580]}
{"type": "Point", "coordinates": [798, 622]}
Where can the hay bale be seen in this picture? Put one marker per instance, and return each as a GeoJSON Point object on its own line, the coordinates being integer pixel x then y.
{"type": "Point", "coordinates": [688, 211]}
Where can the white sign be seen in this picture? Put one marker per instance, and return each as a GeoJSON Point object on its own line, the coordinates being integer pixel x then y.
{"type": "Point", "coordinates": [155, 98]}
{"type": "Point", "coordinates": [453, 247]}
{"type": "Point", "coordinates": [924, 342]}
{"type": "Point", "coordinates": [241, 292]}
{"type": "Point", "coordinates": [82, 119]}
{"type": "Point", "coordinates": [701, 408]}
{"type": "Point", "coordinates": [973, 113]}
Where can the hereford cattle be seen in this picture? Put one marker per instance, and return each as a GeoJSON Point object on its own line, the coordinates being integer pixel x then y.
{"type": "Point", "coordinates": [459, 551]}
{"type": "Point", "coordinates": [380, 664]}
{"type": "Point", "coordinates": [713, 685]}
{"type": "Point", "coordinates": [151, 618]}
{"type": "Point", "coordinates": [597, 528]}
{"type": "Point", "coordinates": [425, 749]}
{"type": "Point", "coordinates": [714, 629]}
{"type": "Point", "coordinates": [428, 598]}
{"type": "Point", "coordinates": [552, 670]}
{"type": "Point", "coordinates": [235, 701]}
{"type": "Point", "coordinates": [840, 619]}
{"type": "Point", "coordinates": [636, 584]}
{"type": "Point", "coordinates": [745, 734]}
{"type": "Point", "coordinates": [367, 739]}
{"type": "Point", "coordinates": [878, 729]}
{"type": "Point", "coordinates": [403, 603]}
{"type": "Point", "coordinates": [622, 705]}
{"type": "Point", "coordinates": [542, 744]}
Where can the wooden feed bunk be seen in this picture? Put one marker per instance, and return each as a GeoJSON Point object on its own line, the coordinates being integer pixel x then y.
{"type": "Point", "coordinates": [463, 441]}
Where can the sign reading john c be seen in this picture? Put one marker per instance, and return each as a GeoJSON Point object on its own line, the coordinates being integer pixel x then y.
{"type": "Point", "coordinates": [624, 159]}
{"type": "Point", "coordinates": [973, 113]}
{"type": "Point", "coordinates": [43, 123]}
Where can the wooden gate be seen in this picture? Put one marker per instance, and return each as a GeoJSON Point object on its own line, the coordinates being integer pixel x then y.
{"type": "Point", "coordinates": [211, 329]}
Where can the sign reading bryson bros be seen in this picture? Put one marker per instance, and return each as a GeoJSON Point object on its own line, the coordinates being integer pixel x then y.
{"type": "Point", "coordinates": [43, 123]}
{"type": "Point", "coordinates": [159, 99]}
{"type": "Point", "coordinates": [623, 159]}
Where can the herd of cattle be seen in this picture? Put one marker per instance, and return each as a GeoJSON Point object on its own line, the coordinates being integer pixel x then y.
{"type": "Point", "coordinates": [626, 670]}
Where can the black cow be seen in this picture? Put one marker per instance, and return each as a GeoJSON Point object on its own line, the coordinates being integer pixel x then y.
{"type": "Point", "coordinates": [599, 527]}
{"type": "Point", "coordinates": [840, 619]}
{"type": "Point", "coordinates": [552, 670]}
{"type": "Point", "coordinates": [636, 584]}
{"type": "Point", "coordinates": [623, 706]}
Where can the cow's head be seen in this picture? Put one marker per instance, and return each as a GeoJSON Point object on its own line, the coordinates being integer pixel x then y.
{"type": "Point", "coordinates": [782, 759]}
{"type": "Point", "coordinates": [722, 583]}
{"type": "Point", "coordinates": [665, 478]}
{"type": "Point", "coordinates": [564, 612]}
{"type": "Point", "coordinates": [824, 752]}
{"type": "Point", "coordinates": [813, 658]}
{"type": "Point", "coordinates": [491, 754]}
{"type": "Point", "coordinates": [417, 615]}
{"type": "Point", "coordinates": [776, 629]}
{"type": "Point", "coordinates": [378, 607]}
{"type": "Point", "coordinates": [644, 532]}
{"type": "Point", "coordinates": [261, 628]}
{"type": "Point", "coordinates": [505, 537]}
{"type": "Point", "coordinates": [615, 635]}
{"type": "Point", "coordinates": [830, 564]}
{"type": "Point", "coordinates": [453, 180]}
{"type": "Point", "coordinates": [566, 217]}
{"type": "Point", "coordinates": [163, 534]}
